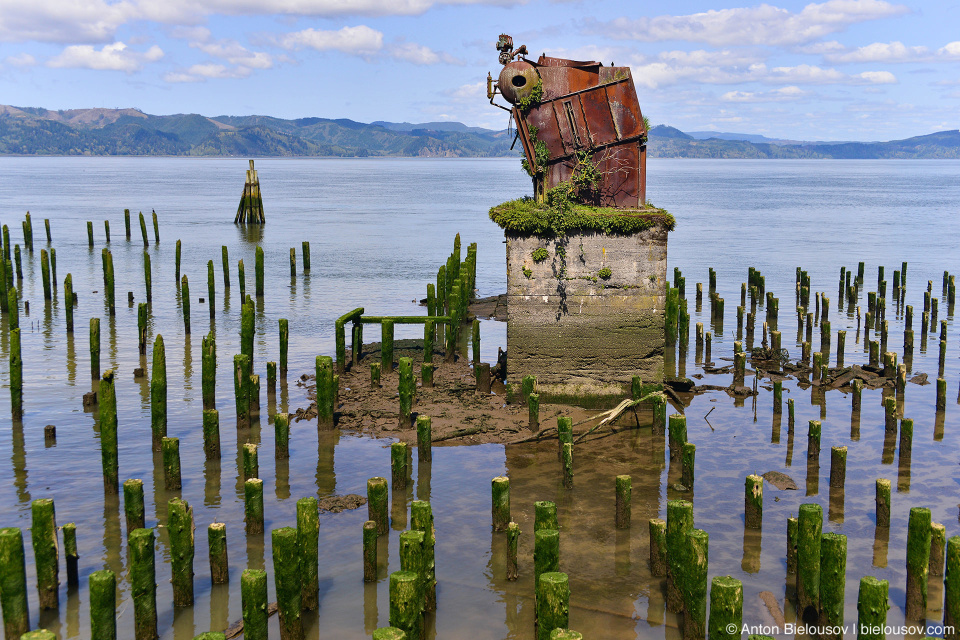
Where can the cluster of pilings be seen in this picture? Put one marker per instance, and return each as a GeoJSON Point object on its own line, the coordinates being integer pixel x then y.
{"type": "Point", "coordinates": [250, 210]}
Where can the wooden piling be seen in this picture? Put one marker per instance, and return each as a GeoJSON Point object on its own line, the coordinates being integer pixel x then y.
{"type": "Point", "coordinates": [513, 538]}
{"type": "Point", "coordinates": [398, 465]}
{"type": "Point", "coordinates": [726, 608]}
{"type": "Point", "coordinates": [242, 280]}
{"type": "Point", "coordinates": [677, 434]}
{"type": "Point", "coordinates": [281, 429]}
{"type": "Point", "coordinates": [250, 460]}
{"type": "Point", "coordinates": [792, 531]}
{"type": "Point", "coordinates": [567, 464]}
{"type": "Point", "coordinates": [872, 608]}
{"type": "Point", "coordinates": [941, 394]}
{"type": "Point", "coordinates": [253, 596]}
{"type": "Point", "coordinates": [813, 440]}
{"type": "Point", "coordinates": [284, 346]}
{"type": "Point", "coordinates": [694, 585]}
{"type": "Point", "coordinates": [258, 271]}
{"type": "Point", "coordinates": [143, 583]}
{"type": "Point", "coordinates": [679, 523]}
{"type": "Point", "coordinates": [545, 515]}
{"type": "Point", "coordinates": [369, 551]}
{"type": "Point", "coordinates": [288, 582]}
{"type": "Point", "coordinates": [386, 345]}
{"type": "Point", "coordinates": [326, 393]}
{"type": "Point", "coordinates": [94, 348]}
{"type": "Point", "coordinates": [217, 546]}
{"type": "Point", "coordinates": [107, 400]}
{"type": "Point", "coordinates": [46, 552]}
{"type": "Point", "coordinates": [533, 412]}
{"type": "Point", "coordinates": [405, 609]}
{"type": "Point", "coordinates": [658, 547]}
{"type": "Point", "coordinates": [546, 553]}
{"type": "Point", "coordinates": [833, 571]}
{"type": "Point", "coordinates": [208, 371]}
{"type": "Point", "coordinates": [424, 439]}
{"type": "Point", "coordinates": [951, 604]}
{"type": "Point", "coordinates": [13, 583]}
{"type": "Point", "coordinates": [305, 250]}
{"type": "Point", "coordinates": [158, 393]}
{"type": "Point", "coordinates": [253, 505]}
{"type": "Point", "coordinates": [103, 605]}
{"type": "Point", "coordinates": [143, 230]}
{"type": "Point", "coordinates": [170, 448]}
{"type": "Point", "coordinates": [308, 544]}
{"type": "Point", "coordinates": [241, 383]}
{"type": "Point", "coordinates": [500, 493]}
{"type": "Point", "coordinates": [72, 556]}
{"type": "Point", "coordinates": [16, 370]}
{"type": "Point", "coordinates": [421, 519]}
{"type": "Point", "coordinates": [377, 499]}
{"type": "Point", "coordinates": [133, 508]}
{"type": "Point", "coordinates": [180, 526]}
{"type": "Point", "coordinates": [45, 274]}
{"type": "Point", "coordinates": [552, 603]}
{"type": "Point", "coordinates": [918, 562]}
{"type": "Point", "coordinates": [838, 467]}
{"type": "Point", "coordinates": [156, 228]}
{"type": "Point", "coordinates": [406, 390]}
{"type": "Point", "coordinates": [938, 547]}
{"type": "Point", "coordinates": [687, 457]}
{"type": "Point", "coordinates": [753, 502]}
{"type": "Point", "coordinates": [809, 527]}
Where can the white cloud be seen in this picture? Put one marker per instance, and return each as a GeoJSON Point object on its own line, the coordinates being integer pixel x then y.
{"type": "Point", "coordinates": [111, 57]}
{"type": "Point", "coordinates": [760, 25]}
{"type": "Point", "coordinates": [201, 72]}
{"type": "Point", "coordinates": [360, 40]}
{"type": "Point", "coordinates": [951, 49]}
{"type": "Point", "coordinates": [21, 60]}
{"type": "Point", "coordinates": [97, 21]}
{"type": "Point", "coordinates": [234, 53]}
{"type": "Point", "coordinates": [880, 52]}
{"type": "Point", "coordinates": [470, 92]}
{"type": "Point", "coordinates": [419, 54]}
{"type": "Point", "coordinates": [878, 77]}
{"type": "Point", "coordinates": [782, 94]}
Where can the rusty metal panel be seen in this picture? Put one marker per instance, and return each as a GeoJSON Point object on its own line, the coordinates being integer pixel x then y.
{"type": "Point", "coordinates": [624, 109]}
{"type": "Point", "coordinates": [620, 186]}
{"type": "Point", "coordinates": [598, 117]}
{"type": "Point", "coordinates": [548, 131]}
{"type": "Point", "coordinates": [561, 81]}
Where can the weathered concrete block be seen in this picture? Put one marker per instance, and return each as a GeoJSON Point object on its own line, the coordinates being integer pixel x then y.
{"type": "Point", "coordinates": [587, 317]}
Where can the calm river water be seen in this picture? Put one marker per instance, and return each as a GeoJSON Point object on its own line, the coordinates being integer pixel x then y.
{"type": "Point", "coordinates": [378, 230]}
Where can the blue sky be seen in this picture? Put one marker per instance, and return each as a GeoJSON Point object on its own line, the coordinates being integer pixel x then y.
{"type": "Point", "coordinates": [833, 70]}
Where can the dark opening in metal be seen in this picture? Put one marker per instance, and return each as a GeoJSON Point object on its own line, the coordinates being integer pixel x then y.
{"type": "Point", "coordinates": [519, 81]}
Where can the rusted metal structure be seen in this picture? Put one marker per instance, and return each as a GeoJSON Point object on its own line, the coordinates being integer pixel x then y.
{"type": "Point", "coordinates": [579, 122]}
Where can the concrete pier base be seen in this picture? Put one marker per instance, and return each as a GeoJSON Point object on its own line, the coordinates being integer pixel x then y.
{"type": "Point", "coordinates": [585, 312]}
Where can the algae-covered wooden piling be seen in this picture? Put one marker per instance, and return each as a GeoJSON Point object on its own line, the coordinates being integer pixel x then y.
{"type": "Point", "coordinates": [133, 507]}
{"type": "Point", "coordinates": [253, 505]}
{"type": "Point", "coordinates": [46, 552]}
{"type": "Point", "coordinates": [412, 560]}
{"type": "Point", "coordinates": [838, 467]}
{"type": "Point", "coordinates": [250, 460]}
{"type": "Point", "coordinates": [143, 230]}
{"type": "Point", "coordinates": [552, 603]}
{"type": "Point", "coordinates": [94, 348]}
{"type": "Point", "coordinates": [726, 608]}
{"type": "Point", "coordinates": [679, 523]}
{"type": "Point", "coordinates": [694, 584]}
{"type": "Point", "coordinates": [951, 604]}
{"type": "Point", "coordinates": [208, 371]}
{"type": "Point", "coordinates": [386, 345]}
{"type": "Point", "coordinates": [325, 392]}
{"type": "Point", "coordinates": [176, 261]}
{"type": "Point", "coordinates": [424, 439]}
{"type": "Point", "coordinates": [185, 302]}
{"type": "Point", "coordinates": [833, 572]}
{"type": "Point", "coordinates": [107, 399]}
{"type": "Point", "coordinates": [500, 494]}
{"type": "Point", "coordinates": [158, 393]}
{"type": "Point", "coordinates": [13, 583]}
{"type": "Point", "coordinates": [45, 274]}
{"type": "Point", "coordinates": [241, 388]}
{"type": "Point", "coordinates": [170, 448]}
{"type": "Point", "coordinates": [377, 502]}
{"type": "Point", "coordinates": [284, 346]}
{"type": "Point", "coordinates": [73, 556]}
{"type": "Point", "coordinates": [513, 539]}
{"type": "Point", "coordinates": [753, 502]}
{"type": "Point", "coordinates": [308, 543]}
{"type": "Point", "coordinates": [16, 371]}
{"type": "Point", "coordinates": [546, 553]}
{"type": "Point", "coordinates": [305, 250]}
{"type": "Point", "coordinates": [398, 465]}
{"type": "Point", "coordinates": [369, 551]}
{"type": "Point", "coordinates": [281, 429]}
{"type": "Point", "coordinates": [143, 583]}
{"type": "Point", "coordinates": [809, 528]}
{"type": "Point", "coordinates": [211, 434]}
{"type": "Point", "coordinates": [658, 547]}
{"type": "Point", "coordinates": [567, 464]}
{"type": "Point", "coordinates": [217, 552]}
{"type": "Point", "coordinates": [872, 608]}
{"type": "Point", "coordinates": [677, 434]}
{"type": "Point", "coordinates": [211, 288]}
{"type": "Point", "coordinates": [938, 547]}
{"type": "Point", "coordinates": [406, 389]}
{"type": "Point", "coordinates": [180, 526]}
{"type": "Point", "coordinates": [288, 582]}
{"type": "Point", "coordinates": [90, 233]}
{"type": "Point", "coordinates": [253, 595]}
{"type": "Point", "coordinates": [126, 225]}
{"type": "Point", "coordinates": [545, 515]}
{"type": "Point", "coordinates": [156, 228]}
{"type": "Point", "coordinates": [242, 280]}
{"type": "Point", "coordinates": [533, 412]}
{"type": "Point", "coordinates": [103, 605]}
{"type": "Point", "coordinates": [918, 562]}
{"type": "Point", "coordinates": [405, 609]}
{"type": "Point", "coordinates": [147, 277]}
{"type": "Point", "coordinates": [258, 271]}
{"type": "Point", "coordinates": [688, 455]}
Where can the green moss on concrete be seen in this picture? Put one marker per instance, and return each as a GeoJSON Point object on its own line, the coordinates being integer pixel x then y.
{"type": "Point", "coordinates": [526, 216]}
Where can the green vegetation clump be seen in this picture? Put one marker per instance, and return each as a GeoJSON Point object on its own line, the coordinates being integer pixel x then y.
{"type": "Point", "coordinates": [605, 273]}
{"type": "Point", "coordinates": [527, 271]}
{"type": "Point", "coordinates": [561, 215]}
{"type": "Point", "coordinates": [532, 99]}
{"type": "Point", "coordinates": [540, 254]}
{"type": "Point", "coordinates": [540, 153]}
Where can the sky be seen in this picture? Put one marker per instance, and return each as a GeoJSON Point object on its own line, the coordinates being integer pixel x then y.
{"type": "Point", "coordinates": [833, 70]}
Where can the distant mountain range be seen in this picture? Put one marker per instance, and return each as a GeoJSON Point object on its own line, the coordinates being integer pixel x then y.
{"type": "Point", "coordinates": [98, 132]}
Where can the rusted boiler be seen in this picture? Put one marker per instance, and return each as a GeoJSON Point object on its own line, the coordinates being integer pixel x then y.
{"type": "Point", "coordinates": [579, 122]}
